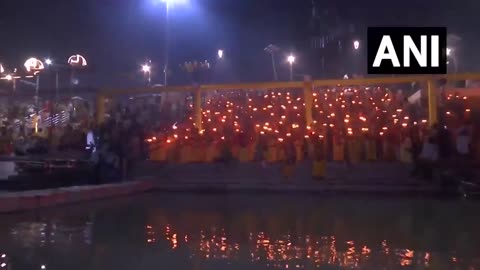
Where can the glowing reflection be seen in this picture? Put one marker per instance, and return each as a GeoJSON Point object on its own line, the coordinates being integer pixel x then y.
{"type": "Point", "coordinates": [286, 250]}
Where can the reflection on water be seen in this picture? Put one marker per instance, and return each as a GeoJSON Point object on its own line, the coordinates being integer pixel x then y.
{"type": "Point", "coordinates": [30, 234]}
{"type": "Point", "coordinates": [245, 232]}
{"type": "Point", "coordinates": [286, 252]}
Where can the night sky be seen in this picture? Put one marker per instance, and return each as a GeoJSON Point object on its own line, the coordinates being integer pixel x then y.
{"type": "Point", "coordinates": [116, 36]}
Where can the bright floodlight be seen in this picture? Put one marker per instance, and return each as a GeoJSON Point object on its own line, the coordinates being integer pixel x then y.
{"type": "Point", "coordinates": [356, 44]}
{"type": "Point", "coordinates": [291, 59]}
{"type": "Point", "coordinates": [9, 77]}
{"type": "Point", "coordinates": [220, 54]}
{"type": "Point", "coordinates": [1, 69]}
{"type": "Point", "coordinates": [48, 61]}
{"type": "Point", "coordinates": [172, 2]}
{"type": "Point", "coordinates": [449, 51]}
{"type": "Point", "coordinates": [146, 68]}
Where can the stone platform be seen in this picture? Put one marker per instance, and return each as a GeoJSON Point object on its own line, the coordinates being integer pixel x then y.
{"type": "Point", "coordinates": [372, 179]}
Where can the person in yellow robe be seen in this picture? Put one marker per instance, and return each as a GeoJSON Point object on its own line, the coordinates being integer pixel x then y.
{"type": "Point", "coordinates": [338, 149]}
{"type": "Point", "coordinates": [319, 160]}
{"type": "Point", "coordinates": [290, 159]}
{"type": "Point", "coordinates": [406, 150]}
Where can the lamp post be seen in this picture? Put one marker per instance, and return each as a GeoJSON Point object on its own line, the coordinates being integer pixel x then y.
{"type": "Point", "coordinates": [291, 60]}
{"type": "Point", "coordinates": [8, 77]}
{"type": "Point", "coordinates": [147, 71]}
{"type": "Point", "coordinates": [12, 79]}
{"type": "Point", "coordinates": [167, 40]}
{"type": "Point", "coordinates": [451, 54]}
{"type": "Point", "coordinates": [454, 43]}
{"type": "Point", "coordinates": [168, 5]}
{"type": "Point", "coordinates": [35, 66]}
{"type": "Point", "coordinates": [272, 49]}
{"type": "Point", "coordinates": [356, 58]}
{"type": "Point", "coordinates": [76, 61]}
{"type": "Point", "coordinates": [50, 64]}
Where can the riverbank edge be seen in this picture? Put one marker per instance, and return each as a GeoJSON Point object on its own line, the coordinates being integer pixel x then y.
{"type": "Point", "coordinates": [31, 200]}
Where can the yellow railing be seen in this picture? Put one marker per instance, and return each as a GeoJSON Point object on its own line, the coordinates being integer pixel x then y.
{"type": "Point", "coordinates": [306, 85]}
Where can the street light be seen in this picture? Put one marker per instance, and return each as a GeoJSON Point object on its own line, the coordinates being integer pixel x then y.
{"type": "Point", "coordinates": [168, 4]}
{"type": "Point", "coordinates": [35, 66]}
{"type": "Point", "coordinates": [1, 69]}
{"type": "Point", "coordinates": [272, 50]}
{"type": "Point", "coordinates": [172, 2]}
{"type": "Point", "coordinates": [356, 44]}
{"type": "Point", "coordinates": [355, 57]}
{"type": "Point", "coordinates": [49, 63]}
{"type": "Point", "coordinates": [220, 54]}
{"type": "Point", "coordinates": [12, 79]}
{"type": "Point", "coordinates": [451, 54]}
{"type": "Point", "coordinates": [77, 60]}
{"type": "Point", "coordinates": [453, 44]}
{"type": "Point", "coordinates": [291, 60]}
{"type": "Point", "coordinates": [147, 70]}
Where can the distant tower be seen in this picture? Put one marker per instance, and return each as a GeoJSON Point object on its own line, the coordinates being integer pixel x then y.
{"type": "Point", "coordinates": [317, 34]}
{"type": "Point", "coordinates": [330, 40]}
{"type": "Point", "coordinates": [322, 31]}
{"type": "Point", "coordinates": [314, 17]}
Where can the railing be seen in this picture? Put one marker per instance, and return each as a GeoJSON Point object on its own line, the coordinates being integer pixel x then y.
{"type": "Point", "coordinates": [306, 85]}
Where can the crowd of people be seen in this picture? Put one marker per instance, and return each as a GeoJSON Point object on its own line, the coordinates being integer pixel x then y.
{"type": "Point", "coordinates": [350, 125]}
{"type": "Point", "coordinates": [47, 128]}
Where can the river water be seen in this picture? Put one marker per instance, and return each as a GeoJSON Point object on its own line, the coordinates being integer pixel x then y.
{"type": "Point", "coordinates": [245, 231]}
